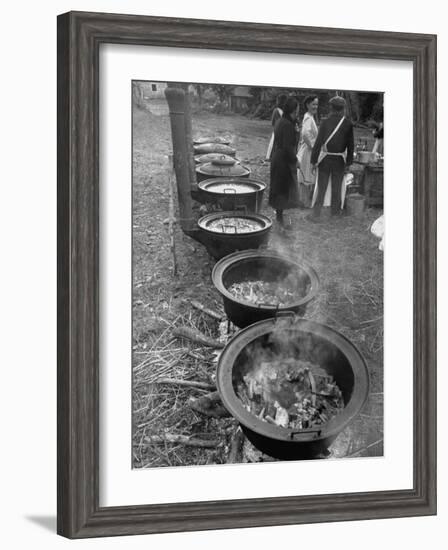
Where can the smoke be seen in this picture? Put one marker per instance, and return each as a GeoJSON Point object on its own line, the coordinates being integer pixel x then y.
{"type": "Point", "coordinates": [281, 375]}
{"type": "Point", "coordinates": [290, 338]}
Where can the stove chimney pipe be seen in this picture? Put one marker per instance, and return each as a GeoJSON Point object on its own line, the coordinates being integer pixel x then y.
{"type": "Point", "coordinates": [175, 97]}
{"type": "Point", "coordinates": [189, 138]}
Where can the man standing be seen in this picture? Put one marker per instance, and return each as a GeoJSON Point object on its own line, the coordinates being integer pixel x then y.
{"type": "Point", "coordinates": [333, 154]}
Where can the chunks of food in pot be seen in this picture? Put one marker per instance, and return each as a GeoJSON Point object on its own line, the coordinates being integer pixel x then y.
{"type": "Point", "coordinates": [276, 293]}
{"type": "Point", "coordinates": [290, 393]}
{"type": "Point", "coordinates": [235, 225]}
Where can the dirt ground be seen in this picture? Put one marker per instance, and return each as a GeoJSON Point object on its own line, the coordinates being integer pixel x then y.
{"type": "Point", "coordinates": [343, 252]}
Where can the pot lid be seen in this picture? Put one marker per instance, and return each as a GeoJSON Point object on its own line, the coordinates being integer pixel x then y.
{"type": "Point", "coordinates": [217, 139]}
{"type": "Point", "coordinates": [218, 169]}
{"type": "Point", "coordinates": [210, 157]}
{"type": "Point", "coordinates": [223, 160]}
{"type": "Point", "coordinates": [205, 148]}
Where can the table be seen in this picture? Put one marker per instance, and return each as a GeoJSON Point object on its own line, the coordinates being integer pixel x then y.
{"type": "Point", "coordinates": [372, 182]}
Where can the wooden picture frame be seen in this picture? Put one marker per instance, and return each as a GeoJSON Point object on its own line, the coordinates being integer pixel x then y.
{"type": "Point", "coordinates": [79, 38]}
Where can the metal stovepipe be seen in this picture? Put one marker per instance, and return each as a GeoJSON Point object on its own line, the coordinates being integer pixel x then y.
{"type": "Point", "coordinates": [175, 96]}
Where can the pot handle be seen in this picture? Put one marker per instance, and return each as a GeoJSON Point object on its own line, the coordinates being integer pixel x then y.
{"type": "Point", "coordinates": [286, 313]}
{"type": "Point", "coordinates": [264, 304]}
{"type": "Point", "coordinates": [229, 225]}
{"type": "Point", "coordinates": [304, 434]}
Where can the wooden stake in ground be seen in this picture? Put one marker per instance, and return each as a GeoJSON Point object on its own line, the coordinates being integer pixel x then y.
{"type": "Point", "coordinates": [171, 218]}
{"type": "Point", "coordinates": [236, 448]}
{"type": "Point", "coordinates": [186, 383]}
{"type": "Point", "coordinates": [197, 336]}
{"type": "Point", "coordinates": [182, 440]}
{"type": "Point", "coordinates": [210, 312]}
{"type": "Point", "coordinates": [209, 405]}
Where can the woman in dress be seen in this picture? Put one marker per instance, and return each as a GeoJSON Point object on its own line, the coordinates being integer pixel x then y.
{"type": "Point", "coordinates": [378, 134]}
{"type": "Point", "coordinates": [283, 189]}
{"type": "Point", "coordinates": [276, 115]}
{"type": "Point", "coordinates": [305, 175]}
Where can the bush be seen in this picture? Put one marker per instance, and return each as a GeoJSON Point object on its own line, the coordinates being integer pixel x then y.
{"type": "Point", "coordinates": [220, 107]}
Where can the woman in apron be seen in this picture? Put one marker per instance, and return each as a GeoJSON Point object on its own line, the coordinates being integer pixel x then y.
{"type": "Point", "coordinates": [305, 175]}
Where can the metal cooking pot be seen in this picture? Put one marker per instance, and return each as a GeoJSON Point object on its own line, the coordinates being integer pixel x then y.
{"type": "Point", "coordinates": [308, 341]}
{"type": "Point", "coordinates": [220, 243]}
{"type": "Point", "coordinates": [266, 265]}
{"type": "Point", "coordinates": [231, 193]}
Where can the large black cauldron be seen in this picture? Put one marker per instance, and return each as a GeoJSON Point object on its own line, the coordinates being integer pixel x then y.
{"type": "Point", "coordinates": [308, 341]}
{"type": "Point", "coordinates": [228, 239]}
{"type": "Point", "coordinates": [230, 193]}
{"type": "Point", "coordinates": [265, 265]}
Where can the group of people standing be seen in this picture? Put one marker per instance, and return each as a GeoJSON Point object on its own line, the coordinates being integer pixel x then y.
{"type": "Point", "coordinates": [308, 166]}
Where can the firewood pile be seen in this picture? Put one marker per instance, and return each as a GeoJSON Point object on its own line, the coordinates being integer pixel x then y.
{"type": "Point", "coordinates": [178, 415]}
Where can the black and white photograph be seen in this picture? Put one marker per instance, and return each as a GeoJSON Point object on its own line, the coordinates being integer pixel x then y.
{"type": "Point", "coordinates": [258, 241]}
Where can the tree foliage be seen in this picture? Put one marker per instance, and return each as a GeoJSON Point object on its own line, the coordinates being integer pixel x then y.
{"type": "Point", "coordinates": [361, 106]}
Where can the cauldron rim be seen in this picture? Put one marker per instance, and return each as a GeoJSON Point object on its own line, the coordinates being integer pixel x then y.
{"type": "Point", "coordinates": [267, 223]}
{"type": "Point", "coordinates": [222, 265]}
{"type": "Point", "coordinates": [327, 431]}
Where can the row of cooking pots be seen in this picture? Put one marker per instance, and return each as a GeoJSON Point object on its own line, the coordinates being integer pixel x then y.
{"type": "Point", "coordinates": [224, 184]}
{"type": "Point", "coordinates": [242, 279]}
{"type": "Point", "coordinates": [234, 233]}
{"type": "Point", "coordinates": [239, 227]}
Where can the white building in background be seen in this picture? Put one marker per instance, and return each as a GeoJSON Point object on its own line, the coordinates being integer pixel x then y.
{"type": "Point", "coordinates": [240, 98]}
{"type": "Point", "coordinates": [153, 90]}
{"type": "Point", "coordinates": [156, 90]}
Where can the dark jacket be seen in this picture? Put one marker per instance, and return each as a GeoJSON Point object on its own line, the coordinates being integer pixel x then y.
{"type": "Point", "coordinates": [342, 141]}
{"type": "Point", "coordinates": [283, 191]}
